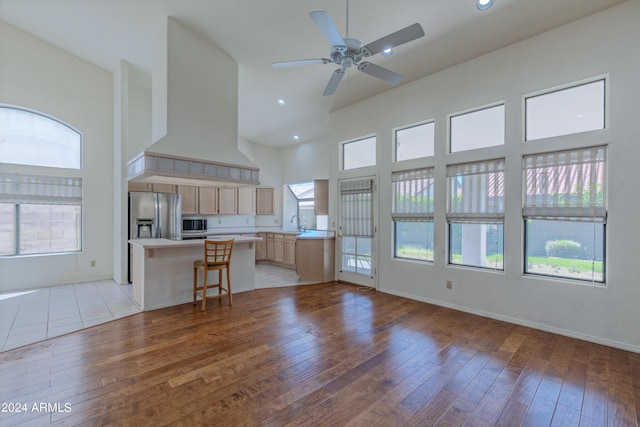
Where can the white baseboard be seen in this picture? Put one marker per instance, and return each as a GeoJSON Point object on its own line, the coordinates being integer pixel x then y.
{"type": "Point", "coordinates": [521, 322]}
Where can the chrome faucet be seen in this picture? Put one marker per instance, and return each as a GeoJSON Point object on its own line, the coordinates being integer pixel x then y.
{"type": "Point", "coordinates": [298, 222]}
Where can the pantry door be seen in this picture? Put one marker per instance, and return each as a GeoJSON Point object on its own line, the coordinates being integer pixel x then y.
{"type": "Point", "coordinates": [357, 243]}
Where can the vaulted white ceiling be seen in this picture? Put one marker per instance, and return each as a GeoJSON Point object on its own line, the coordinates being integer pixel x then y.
{"type": "Point", "coordinates": [258, 32]}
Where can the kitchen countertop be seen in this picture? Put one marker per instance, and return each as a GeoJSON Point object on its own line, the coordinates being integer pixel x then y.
{"type": "Point", "coordinates": [309, 234]}
{"type": "Point", "coordinates": [167, 243]}
{"type": "Point", "coordinates": [316, 235]}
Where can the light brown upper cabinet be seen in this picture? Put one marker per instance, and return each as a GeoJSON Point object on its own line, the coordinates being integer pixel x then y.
{"type": "Point", "coordinates": [189, 196]}
{"type": "Point", "coordinates": [321, 197]}
{"type": "Point", "coordinates": [164, 188]}
{"type": "Point", "coordinates": [265, 201]}
{"type": "Point", "coordinates": [139, 186]}
{"type": "Point", "coordinates": [198, 200]}
{"type": "Point", "coordinates": [246, 201]}
{"type": "Point", "coordinates": [208, 200]}
{"type": "Point", "coordinates": [227, 201]}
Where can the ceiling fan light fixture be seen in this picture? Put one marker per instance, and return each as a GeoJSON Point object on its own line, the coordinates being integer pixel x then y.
{"type": "Point", "coordinates": [484, 4]}
{"type": "Point", "coordinates": [387, 52]}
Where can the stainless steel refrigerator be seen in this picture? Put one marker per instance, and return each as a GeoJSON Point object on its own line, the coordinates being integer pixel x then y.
{"type": "Point", "coordinates": [154, 216]}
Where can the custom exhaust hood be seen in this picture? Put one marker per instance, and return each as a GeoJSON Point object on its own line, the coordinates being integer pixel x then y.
{"type": "Point", "coordinates": [194, 115]}
{"type": "Point", "coordinates": [160, 168]}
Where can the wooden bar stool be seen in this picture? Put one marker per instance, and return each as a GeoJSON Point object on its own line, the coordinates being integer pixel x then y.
{"type": "Point", "coordinates": [217, 256]}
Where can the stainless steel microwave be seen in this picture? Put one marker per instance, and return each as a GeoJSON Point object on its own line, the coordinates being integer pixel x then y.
{"type": "Point", "coordinates": [194, 224]}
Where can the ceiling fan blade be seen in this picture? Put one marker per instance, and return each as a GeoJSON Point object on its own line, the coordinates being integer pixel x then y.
{"type": "Point", "coordinates": [334, 81]}
{"type": "Point", "coordinates": [402, 36]}
{"type": "Point", "coordinates": [298, 62]}
{"type": "Point", "coordinates": [380, 72]}
{"type": "Point", "coordinates": [328, 28]}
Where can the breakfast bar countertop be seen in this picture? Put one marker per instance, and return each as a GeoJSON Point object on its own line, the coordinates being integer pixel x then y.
{"type": "Point", "coordinates": [167, 243]}
{"type": "Point", "coordinates": [245, 232]}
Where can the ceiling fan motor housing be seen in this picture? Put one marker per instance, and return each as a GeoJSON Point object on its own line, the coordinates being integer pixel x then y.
{"type": "Point", "coordinates": [350, 54]}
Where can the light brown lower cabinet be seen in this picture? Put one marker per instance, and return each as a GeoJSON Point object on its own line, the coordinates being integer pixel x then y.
{"type": "Point", "coordinates": [261, 247]}
{"type": "Point", "coordinates": [315, 260]}
{"type": "Point", "coordinates": [290, 250]}
{"type": "Point", "coordinates": [278, 248]}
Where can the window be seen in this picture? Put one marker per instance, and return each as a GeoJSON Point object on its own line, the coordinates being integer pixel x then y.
{"type": "Point", "coordinates": [307, 219]}
{"type": "Point", "coordinates": [415, 141]}
{"type": "Point", "coordinates": [40, 214]}
{"type": "Point", "coordinates": [565, 213]}
{"type": "Point", "coordinates": [359, 154]}
{"type": "Point", "coordinates": [476, 214]}
{"type": "Point", "coordinates": [33, 139]}
{"type": "Point", "coordinates": [477, 129]}
{"type": "Point", "coordinates": [575, 109]}
{"type": "Point", "coordinates": [412, 214]}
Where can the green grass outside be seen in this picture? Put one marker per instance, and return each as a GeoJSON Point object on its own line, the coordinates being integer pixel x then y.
{"type": "Point", "coordinates": [415, 252]}
{"type": "Point", "coordinates": [572, 265]}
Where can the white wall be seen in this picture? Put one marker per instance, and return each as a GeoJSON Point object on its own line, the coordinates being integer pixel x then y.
{"type": "Point", "coordinates": [270, 164]}
{"type": "Point", "coordinates": [39, 76]}
{"type": "Point", "coordinates": [606, 43]}
{"type": "Point", "coordinates": [139, 114]}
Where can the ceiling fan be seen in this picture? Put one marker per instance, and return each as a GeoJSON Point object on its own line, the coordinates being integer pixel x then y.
{"type": "Point", "coordinates": [347, 52]}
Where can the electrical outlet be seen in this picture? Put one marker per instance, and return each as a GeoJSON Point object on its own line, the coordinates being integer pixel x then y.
{"type": "Point", "coordinates": [93, 263]}
{"type": "Point", "coordinates": [449, 284]}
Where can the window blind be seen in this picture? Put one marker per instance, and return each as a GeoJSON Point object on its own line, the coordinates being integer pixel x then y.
{"type": "Point", "coordinates": [412, 195]}
{"type": "Point", "coordinates": [566, 184]}
{"type": "Point", "coordinates": [476, 192]}
{"type": "Point", "coordinates": [356, 207]}
{"type": "Point", "coordinates": [40, 189]}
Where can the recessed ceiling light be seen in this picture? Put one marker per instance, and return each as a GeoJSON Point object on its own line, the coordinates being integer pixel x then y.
{"type": "Point", "coordinates": [387, 52]}
{"type": "Point", "coordinates": [280, 101]}
{"type": "Point", "coordinates": [484, 4]}
{"type": "Point", "coordinates": [296, 137]}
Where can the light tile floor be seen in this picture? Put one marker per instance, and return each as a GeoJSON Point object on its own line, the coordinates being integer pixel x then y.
{"type": "Point", "coordinates": [34, 315]}
{"type": "Point", "coordinates": [271, 276]}
{"type": "Point", "coordinates": [30, 316]}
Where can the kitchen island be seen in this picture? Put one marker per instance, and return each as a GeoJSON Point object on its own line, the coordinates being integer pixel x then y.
{"type": "Point", "coordinates": [162, 269]}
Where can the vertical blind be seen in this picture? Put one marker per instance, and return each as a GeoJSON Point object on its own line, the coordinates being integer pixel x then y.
{"type": "Point", "coordinates": [356, 207]}
{"type": "Point", "coordinates": [566, 184]}
{"type": "Point", "coordinates": [39, 189]}
{"type": "Point", "coordinates": [476, 192]}
{"type": "Point", "coordinates": [412, 195]}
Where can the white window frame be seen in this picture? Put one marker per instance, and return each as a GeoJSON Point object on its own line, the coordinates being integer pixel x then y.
{"type": "Point", "coordinates": [471, 111]}
{"type": "Point", "coordinates": [56, 122]}
{"type": "Point", "coordinates": [394, 154]}
{"type": "Point", "coordinates": [474, 209]}
{"type": "Point", "coordinates": [578, 83]}
{"type": "Point", "coordinates": [33, 183]}
{"type": "Point", "coordinates": [412, 212]}
{"type": "Point", "coordinates": [19, 190]}
{"type": "Point", "coordinates": [351, 141]}
{"type": "Point", "coordinates": [594, 212]}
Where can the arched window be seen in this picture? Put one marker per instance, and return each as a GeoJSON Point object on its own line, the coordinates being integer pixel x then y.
{"type": "Point", "coordinates": [33, 139]}
{"type": "Point", "coordinates": [39, 214]}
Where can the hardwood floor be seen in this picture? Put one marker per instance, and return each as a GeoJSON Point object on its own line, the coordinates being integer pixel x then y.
{"type": "Point", "coordinates": [317, 355]}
